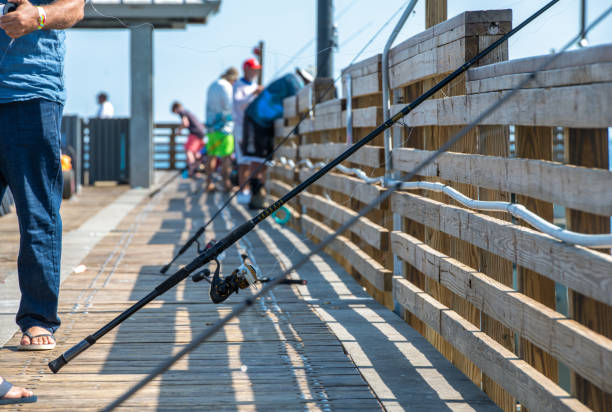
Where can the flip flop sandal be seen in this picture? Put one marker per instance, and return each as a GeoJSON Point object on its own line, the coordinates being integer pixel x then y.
{"type": "Point", "coordinates": [5, 387]}
{"type": "Point", "coordinates": [41, 346]}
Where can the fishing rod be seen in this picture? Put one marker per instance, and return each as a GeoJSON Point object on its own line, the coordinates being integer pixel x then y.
{"type": "Point", "coordinates": [222, 288]}
{"type": "Point", "coordinates": [194, 239]}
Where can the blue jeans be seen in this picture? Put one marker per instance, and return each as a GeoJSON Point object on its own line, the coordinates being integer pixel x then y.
{"type": "Point", "coordinates": [30, 167]}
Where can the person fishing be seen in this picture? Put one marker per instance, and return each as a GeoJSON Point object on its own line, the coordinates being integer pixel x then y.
{"type": "Point", "coordinates": [245, 91]}
{"type": "Point", "coordinates": [195, 140]}
{"type": "Point", "coordinates": [258, 135]}
{"type": "Point", "coordinates": [32, 98]}
{"type": "Point", "coordinates": [219, 124]}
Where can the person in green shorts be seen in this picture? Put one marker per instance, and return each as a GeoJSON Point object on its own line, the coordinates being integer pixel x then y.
{"type": "Point", "coordinates": [219, 123]}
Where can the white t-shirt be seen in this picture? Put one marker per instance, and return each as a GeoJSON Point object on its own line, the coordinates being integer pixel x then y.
{"type": "Point", "coordinates": [243, 96]}
{"type": "Point", "coordinates": [106, 110]}
{"type": "Point", "coordinates": [219, 106]}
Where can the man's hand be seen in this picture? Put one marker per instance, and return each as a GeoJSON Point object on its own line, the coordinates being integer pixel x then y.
{"type": "Point", "coordinates": [259, 89]}
{"type": "Point", "coordinates": [20, 22]}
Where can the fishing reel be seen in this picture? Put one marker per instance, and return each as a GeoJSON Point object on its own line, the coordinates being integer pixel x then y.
{"type": "Point", "coordinates": [222, 287]}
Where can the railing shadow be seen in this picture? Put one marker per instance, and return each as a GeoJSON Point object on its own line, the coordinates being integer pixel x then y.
{"type": "Point", "coordinates": [403, 367]}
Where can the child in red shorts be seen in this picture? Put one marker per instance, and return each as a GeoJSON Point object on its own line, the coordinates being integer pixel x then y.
{"type": "Point", "coordinates": [195, 140]}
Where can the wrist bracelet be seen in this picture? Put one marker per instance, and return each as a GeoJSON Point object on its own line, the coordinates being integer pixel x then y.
{"type": "Point", "coordinates": [42, 17]}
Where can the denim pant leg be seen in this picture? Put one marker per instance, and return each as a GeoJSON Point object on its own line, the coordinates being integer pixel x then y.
{"type": "Point", "coordinates": [30, 165]}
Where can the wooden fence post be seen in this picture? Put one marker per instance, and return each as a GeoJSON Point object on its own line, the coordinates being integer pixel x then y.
{"type": "Point", "coordinates": [589, 148]}
{"type": "Point", "coordinates": [436, 11]}
{"type": "Point", "coordinates": [536, 143]}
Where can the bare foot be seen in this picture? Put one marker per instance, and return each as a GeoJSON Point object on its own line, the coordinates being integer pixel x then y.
{"type": "Point", "coordinates": [16, 392]}
{"type": "Point", "coordinates": [37, 330]}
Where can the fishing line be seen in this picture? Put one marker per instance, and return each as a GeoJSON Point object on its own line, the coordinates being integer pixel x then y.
{"type": "Point", "coordinates": [246, 303]}
{"type": "Point", "coordinates": [202, 229]}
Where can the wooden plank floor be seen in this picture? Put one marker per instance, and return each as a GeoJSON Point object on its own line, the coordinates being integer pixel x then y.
{"type": "Point", "coordinates": [74, 212]}
{"type": "Point", "coordinates": [325, 346]}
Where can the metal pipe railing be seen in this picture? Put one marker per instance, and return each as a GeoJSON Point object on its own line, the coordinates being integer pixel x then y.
{"type": "Point", "coordinates": [515, 209]}
{"type": "Point", "coordinates": [385, 83]}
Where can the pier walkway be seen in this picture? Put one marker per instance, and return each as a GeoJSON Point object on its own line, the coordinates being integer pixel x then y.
{"type": "Point", "coordinates": [324, 346]}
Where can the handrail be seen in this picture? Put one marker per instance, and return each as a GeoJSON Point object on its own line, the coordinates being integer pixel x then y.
{"type": "Point", "coordinates": [515, 209]}
{"type": "Point", "coordinates": [385, 82]}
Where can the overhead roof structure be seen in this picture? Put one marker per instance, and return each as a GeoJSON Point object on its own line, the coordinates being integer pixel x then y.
{"type": "Point", "coordinates": [162, 14]}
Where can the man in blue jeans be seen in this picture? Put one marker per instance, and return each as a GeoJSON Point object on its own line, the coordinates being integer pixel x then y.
{"type": "Point", "coordinates": [31, 101]}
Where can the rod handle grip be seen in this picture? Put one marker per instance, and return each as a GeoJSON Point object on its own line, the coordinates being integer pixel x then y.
{"type": "Point", "coordinates": [62, 360]}
{"type": "Point", "coordinates": [57, 364]}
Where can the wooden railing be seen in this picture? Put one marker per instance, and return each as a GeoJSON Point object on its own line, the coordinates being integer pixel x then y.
{"type": "Point", "coordinates": [485, 289]}
{"type": "Point", "coordinates": [168, 141]}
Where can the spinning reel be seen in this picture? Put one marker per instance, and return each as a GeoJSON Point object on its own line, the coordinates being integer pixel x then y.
{"type": "Point", "coordinates": [222, 287]}
{"type": "Point", "coordinates": [245, 276]}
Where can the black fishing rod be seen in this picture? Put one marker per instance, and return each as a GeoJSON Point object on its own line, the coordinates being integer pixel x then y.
{"type": "Point", "coordinates": [220, 288]}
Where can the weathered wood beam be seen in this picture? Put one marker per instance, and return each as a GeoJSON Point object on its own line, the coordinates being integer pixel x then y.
{"type": "Point", "coordinates": [517, 377]}
{"type": "Point", "coordinates": [573, 343]}
{"type": "Point", "coordinates": [570, 186]}
{"type": "Point", "coordinates": [576, 267]}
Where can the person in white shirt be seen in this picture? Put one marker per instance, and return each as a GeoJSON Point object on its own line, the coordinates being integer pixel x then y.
{"type": "Point", "coordinates": [220, 127]}
{"type": "Point", "coordinates": [106, 109]}
{"type": "Point", "coordinates": [245, 91]}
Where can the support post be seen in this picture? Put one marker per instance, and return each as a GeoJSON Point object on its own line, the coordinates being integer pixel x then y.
{"type": "Point", "coordinates": [536, 143]}
{"type": "Point", "coordinates": [260, 46]}
{"type": "Point", "coordinates": [436, 11]}
{"type": "Point", "coordinates": [589, 148]}
{"type": "Point", "coordinates": [325, 42]}
{"type": "Point", "coordinates": [141, 122]}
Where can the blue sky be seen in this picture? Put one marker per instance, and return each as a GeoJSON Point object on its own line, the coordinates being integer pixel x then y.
{"type": "Point", "coordinates": [186, 61]}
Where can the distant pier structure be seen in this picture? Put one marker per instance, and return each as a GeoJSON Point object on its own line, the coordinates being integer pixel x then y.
{"type": "Point", "coordinates": [141, 17]}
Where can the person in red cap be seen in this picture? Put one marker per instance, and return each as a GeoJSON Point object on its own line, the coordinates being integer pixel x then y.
{"type": "Point", "coordinates": [245, 91]}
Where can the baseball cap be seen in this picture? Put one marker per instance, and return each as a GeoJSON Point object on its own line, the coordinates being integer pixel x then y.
{"type": "Point", "coordinates": [251, 64]}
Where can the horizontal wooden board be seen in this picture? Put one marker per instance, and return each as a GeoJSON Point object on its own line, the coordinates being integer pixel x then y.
{"type": "Point", "coordinates": [365, 117]}
{"type": "Point", "coordinates": [469, 23]}
{"type": "Point", "coordinates": [306, 126]}
{"type": "Point", "coordinates": [569, 186]}
{"type": "Point", "coordinates": [556, 106]}
{"type": "Point", "coordinates": [578, 268]}
{"type": "Point", "coordinates": [279, 127]}
{"type": "Point", "coordinates": [333, 106]}
{"type": "Point", "coordinates": [320, 90]}
{"type": "Point", "coordinates": [371, 233]}
{"type": "Point", "coordinates": [348, 185]}
{"type": "Point", "coordinates": [365, 67]}
{"type": "Point", "coordinates": [290, 107]}
{"type": "Point", "coordinates": [583, 350]}
{"type": "Point", "coordinates": [573, 58]}
{"type": "Point", "coordinates": [367, 267]}
{"type": "Point", "coordinates": [330, 121]}
{"type": "Point", "coordinates": [285, 171]}
{"type": "Point", "coordinates": [371, 156]}
{"type": "Point", "coordinates": [516, 376]}
{"type": "Point", "coordinates": [364, 85]}
{"type": "Point", "coordinates": [288, 151]}
{"type": "Point", "coordinates": [570, 76]}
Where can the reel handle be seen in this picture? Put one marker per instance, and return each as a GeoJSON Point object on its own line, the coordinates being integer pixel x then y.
{"type": "Point", "coordinates": [198, 277]}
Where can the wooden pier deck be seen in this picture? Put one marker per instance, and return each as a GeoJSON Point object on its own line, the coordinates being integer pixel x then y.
{"type": "Point", "coordinates": [324, 346]}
